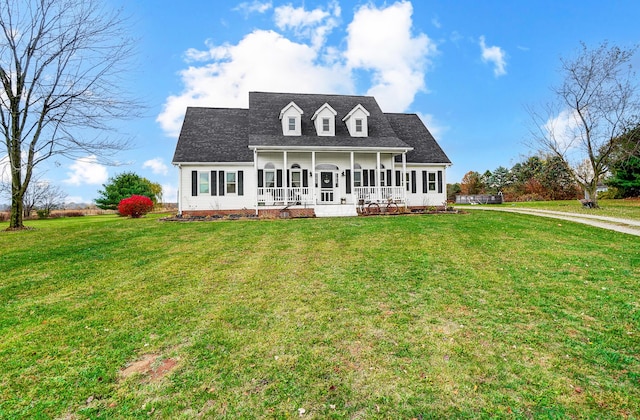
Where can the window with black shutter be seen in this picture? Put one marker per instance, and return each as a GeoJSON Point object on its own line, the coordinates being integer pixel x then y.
{"type": "Point", "coordinates": [194, 183]}
{"type": "Point", "coordinates": [425, 184]}
{"type": "Point", "coordinates": [347, 174]}
{"type": "Point", "coordinates": [413, 182]}
{"type": "Point", "coordinates": [260, 178]}
{"type": "Point", "coordinates": [221, 183]}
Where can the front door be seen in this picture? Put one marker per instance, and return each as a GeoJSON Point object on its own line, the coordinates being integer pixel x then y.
{"type": "Point", "coordinates": [326, 187]}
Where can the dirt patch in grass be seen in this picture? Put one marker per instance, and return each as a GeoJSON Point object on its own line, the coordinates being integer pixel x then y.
{"type": "Point", "coordinates": [151, 367]}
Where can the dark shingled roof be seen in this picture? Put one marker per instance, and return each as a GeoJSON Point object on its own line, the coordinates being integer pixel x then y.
{"type": "Point", "coordinates": [214, 135]}
{"type": "Point", "coordinates": [412, 130]}
{"type": "Point", "coordinates": [224, 134]}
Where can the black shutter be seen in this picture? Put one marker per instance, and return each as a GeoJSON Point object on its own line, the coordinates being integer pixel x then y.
{"type": "Point", "coordinates": [213, 188]}
{"type": "Point", "coordinates": [398, 179]}
{"type": "Point", "coordinates": [389, 180]}
{"type": "Point", "coordinates": [365, 177]}
{"type": "Point", "coordinates": [305, 178]}
{"type": "Point", "coordinates": [347, 174]}
{"type": "Point", "coordinates": [221, 183]}
{"type": "Point", "coordinates": [440, 182]}
{"type": "Point", "coordinates": [425, 185]}
{"type": "Point", "coordinates": [288, 177]}
{"type": "Point", "coordinates": [372, 178]}
{"type": "Point", "coordinates": [194, 183]}
{"type": "Point", "coordinates": [413, 182]}
{"type": "Point", "coordinates": [279, 178]}
{"type": "Point", "coordinates": [240, 182]}
{"type": "Point", "coordinates": [260, 178]}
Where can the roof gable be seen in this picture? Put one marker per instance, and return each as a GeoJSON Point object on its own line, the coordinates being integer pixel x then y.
{"type": "Point", "coordinates": [291, 106]}
{"type": "Point", "coordinates": [355, 109]}
{"type": "Point", "coordinates": [324, 107]}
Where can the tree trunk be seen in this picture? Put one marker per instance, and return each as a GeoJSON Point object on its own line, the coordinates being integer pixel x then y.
{"type": "Point", "coordinates": [591, 192]}
{"type": "Point", "coordinates": [16, 220]}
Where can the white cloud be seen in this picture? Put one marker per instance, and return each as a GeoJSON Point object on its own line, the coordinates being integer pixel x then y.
{"type": "Point", "coordinates": [265, 60]}
{"type": "Point", "coordinates": [314, 25]}
{"type": "Point", "coordinates": [5, 173]}
{"type": "Point", "coordinates": [397, 59]}
{"type": "Point", "coordinates": [156, 165]}
{"type": "Point", "coordinates": [564, 130]}
{"type": "Point", "coordinates": [253, 7]}
{"type": "Point", "coordinates": [87, 171]}
{"type": "Point", "coordinates": [495, 55]}
{"type": "Point", "coordinates": [169, 193]}
{"type": "Point", "coordinates": [261, 61]}
{"type": "Point", "coordinates": [436, 129]}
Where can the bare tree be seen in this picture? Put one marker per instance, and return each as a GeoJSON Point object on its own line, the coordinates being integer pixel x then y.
{"type": "Point", "coordinates": [61, 63]}
{"type": "Point", "coordinates": [42, 195]}
{"type": "Point", "coordinates": [596, 103]}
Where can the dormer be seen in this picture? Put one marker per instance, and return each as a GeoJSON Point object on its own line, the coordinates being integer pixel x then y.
{"type": "Point", "coordinates": [291, 117]}
{"type": "Point", "coordinates": [325, 120]}
{"type": "Point", "coordinates": [356, 121]}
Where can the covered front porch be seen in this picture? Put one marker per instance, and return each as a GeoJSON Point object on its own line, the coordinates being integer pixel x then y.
{"type": "Point", "coordinates": [329, 178]}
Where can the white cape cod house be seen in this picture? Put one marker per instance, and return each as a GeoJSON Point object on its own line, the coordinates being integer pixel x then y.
{"type": "Point", "coordinates": [306, 154]}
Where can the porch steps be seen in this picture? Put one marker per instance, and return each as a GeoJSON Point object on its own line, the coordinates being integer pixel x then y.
{"type": "Point", "coordinates": [335, 210]}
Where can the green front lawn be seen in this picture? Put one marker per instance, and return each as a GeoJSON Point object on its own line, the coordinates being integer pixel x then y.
{"type": "Point", "coordinates": [485, 314]}
{"type": "Point", "coordinates": [629, 209]}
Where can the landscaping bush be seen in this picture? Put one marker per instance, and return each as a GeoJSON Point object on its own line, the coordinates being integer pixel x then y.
{"type": "Point", "coordinates": [43, 213]}
{"type": "Point", "coordinates": [135, 206]}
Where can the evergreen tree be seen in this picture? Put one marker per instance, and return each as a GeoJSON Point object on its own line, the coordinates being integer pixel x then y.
{"type": "Point", "coordinates": [124, 186]}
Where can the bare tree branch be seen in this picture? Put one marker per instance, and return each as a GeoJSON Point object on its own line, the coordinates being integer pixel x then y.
{"type": "Point", "coordinates": [596, 103]}
{"type": "Point", "coordinates": [62, 64]}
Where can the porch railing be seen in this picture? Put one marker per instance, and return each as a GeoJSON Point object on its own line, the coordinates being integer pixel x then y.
{"type": "Point", "coordinates": [303, 195]}
{"type": "Point", "coordinates": [280, 196]}
{"type": "Point", "coordinates": [380, 194]}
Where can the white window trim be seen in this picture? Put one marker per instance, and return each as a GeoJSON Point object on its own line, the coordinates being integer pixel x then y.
{"type": "Point", "coordinates": [234, 183]}
{"type": "Point", "coordinates": [202, 182]}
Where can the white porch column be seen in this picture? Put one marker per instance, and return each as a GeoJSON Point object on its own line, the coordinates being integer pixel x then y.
{"type": "Point", "coordinates": [354, 196]}
{"type": "Point", "coordinates": [378, 187]}
{"type": "Point", "coordinates": [313, 177]}
{"type": "Point", "coordinates": [392, 182]}
{"type": "Point", "coordinates": [285, 179]}
{"type": "Point", "coordinates": [255, 177]}
{"type": "Point", "coordinates": [404, 176]}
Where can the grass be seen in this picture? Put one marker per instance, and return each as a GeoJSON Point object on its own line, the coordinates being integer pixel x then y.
{"type": "Point", "coordinates": [478, 315]}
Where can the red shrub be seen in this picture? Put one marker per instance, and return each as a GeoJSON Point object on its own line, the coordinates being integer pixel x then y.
{"type": "Point", "coordinates": [135, 206]}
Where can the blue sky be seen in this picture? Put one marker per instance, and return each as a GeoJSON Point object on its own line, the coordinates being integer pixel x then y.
{"type": "Point", "coordinates": [468, 68]}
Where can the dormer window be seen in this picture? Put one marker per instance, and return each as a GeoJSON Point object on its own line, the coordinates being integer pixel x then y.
{"type": "Point", "coordinates": [326, 126]}
{"type": "Point", "coordinates": [291, 117]}
{"type": "Point", "coordinates": [324, 120]}
{"type": "Point", "coordinates": [356, 121]}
